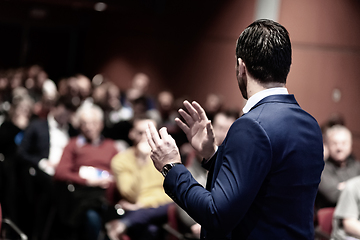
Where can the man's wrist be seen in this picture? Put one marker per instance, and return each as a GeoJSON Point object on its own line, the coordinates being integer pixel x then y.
{"type": "Point", "coordinates": [208, 158]}
{"type": "Point", "coordinates": [167, 167]}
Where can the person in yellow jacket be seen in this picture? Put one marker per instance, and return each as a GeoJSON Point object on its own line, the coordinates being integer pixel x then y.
{"type": "Point", "coordinates": [140, 186]}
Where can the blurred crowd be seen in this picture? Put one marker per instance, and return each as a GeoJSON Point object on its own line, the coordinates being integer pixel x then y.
{"type": "Point", "coordinates": [74, 162]}
{"type": "Point", "coordinates": [337, 205]}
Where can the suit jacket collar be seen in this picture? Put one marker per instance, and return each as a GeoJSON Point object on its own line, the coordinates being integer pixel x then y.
{"type": "Point", "coordinates": [281, 98]}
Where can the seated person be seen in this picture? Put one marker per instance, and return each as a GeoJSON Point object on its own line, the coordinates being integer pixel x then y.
{"type": "Point", "coordinates": [346, 220]}
{"type": "Point", "coordinates": [40, 152]}
{"type": "Point", "coordinates": [340, 166]}
{"type": "Point", "coordinates": [11, 132]}
{"type": "Point", "coordinates": [140, 186]}
{"type": "Point", "coordinates": [85, 164]}
{"type": "Point", "coordinates": [116, 115]}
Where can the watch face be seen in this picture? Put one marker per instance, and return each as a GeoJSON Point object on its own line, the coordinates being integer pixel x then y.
{"type": "Point", "coordinates": [164, 172]}
{"type": "Point", "coordinates": [166, 169]}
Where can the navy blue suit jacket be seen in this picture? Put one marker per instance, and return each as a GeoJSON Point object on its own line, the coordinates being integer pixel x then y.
{"type": "Point", "coordinates": [263, 179]}
{"type": "Point", "coordinates": [36, 142]}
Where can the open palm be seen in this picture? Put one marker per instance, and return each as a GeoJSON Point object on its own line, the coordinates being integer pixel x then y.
{"type": "Point", "coordinates": [198, 129]}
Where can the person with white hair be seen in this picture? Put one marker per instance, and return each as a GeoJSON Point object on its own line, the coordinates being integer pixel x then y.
{"type": "Point", "coordinates": [85, 164]}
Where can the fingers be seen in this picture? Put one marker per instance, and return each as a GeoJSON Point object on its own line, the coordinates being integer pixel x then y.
{"type": "Point", "coordinates": [152, 136]}
{"type": "Point", "coordinates": [194, 114]}
{"type": "Point", "coordinates": [164, 134]}
{"type": "Point", "coordinates": [188, 119]}
{"type": "Point", "coordinates": [149, 138]}
{"type": "Point", "coordinates": [200, 111]}
{"type": "Point", "coordinates": [182, 126]}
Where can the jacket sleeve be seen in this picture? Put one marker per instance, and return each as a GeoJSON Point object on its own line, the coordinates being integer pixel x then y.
{"type": "Point", "coordinates": [65, 170]}
{"type": "Point", "coordinates": [244, 161]}
{"type": "Point", "coordinates": [207, 163]}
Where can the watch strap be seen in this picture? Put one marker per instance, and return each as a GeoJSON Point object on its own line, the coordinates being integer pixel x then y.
{"type": "Point", "coordinates": [167, 168]}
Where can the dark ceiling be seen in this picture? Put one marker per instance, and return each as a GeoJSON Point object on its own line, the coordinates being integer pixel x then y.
{"type": "Point", "coordinates": [32, 10]}
{"type": "Point", "coordinates": [58, 33]}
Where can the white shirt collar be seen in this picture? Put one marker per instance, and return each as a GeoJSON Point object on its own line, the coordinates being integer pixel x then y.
{"type": "Point", "coordinates": [51, 121]}
{"type": "Point", "coordinates": [257, 97]}
{"type": "Point", "coordinates": [54, 124]}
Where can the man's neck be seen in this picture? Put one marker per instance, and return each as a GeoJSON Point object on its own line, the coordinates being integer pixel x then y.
{"type": "Point", "coordinates": [254, 86]}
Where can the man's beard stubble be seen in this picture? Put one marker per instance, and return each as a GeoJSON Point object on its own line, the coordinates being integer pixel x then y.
{"type": "Point", "coordinates": [242, 84]}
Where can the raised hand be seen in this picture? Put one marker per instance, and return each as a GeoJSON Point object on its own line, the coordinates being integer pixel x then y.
{"type": "Point", "coordinates": [198, 129]}
{"type": "Point", "coordinates": [163, 147]}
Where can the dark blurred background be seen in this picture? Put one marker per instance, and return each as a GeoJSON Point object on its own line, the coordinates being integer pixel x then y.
{"type": "Point", "coordinates": [188, 46]}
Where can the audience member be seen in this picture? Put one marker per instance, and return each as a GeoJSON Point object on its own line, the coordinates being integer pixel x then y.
{"type": "Point", "coordinates": [45, 140]}
{"type": "Point", "coordinates": [80, 91]}
{"type": "Point", "coordinates": [213, 105]}
{"type": "Point", "coordinates": [140, 108]}
{"type": "Point", "coordinates": [11, 134]}
{"type": "Point", "coordinates": [139, 87]}
{"type": "Point", "coordinates": [63, 87]}
{"type": "Point", "coordinates": [84, 87]}
{"type": "Point", "coordinates": [116, 116]}
{"type": "Point", "coordinates": [5, 92]}
{"type": "Point", "coordinates": [32, 73]}
{"type": "Point", "coordinates": [166, 109]}
{"type": "Point", "coordinates": [16, 78]}
{"type": "Point", "coordinates": [5, 96]}
{"type": "Point", "coordinates": [334, 119]}
{"type": "Point", "coordinates": [221, 124]}
{"type": "Point", "coordinates": [70, 89]}
{"type": "Point", "coordinates": [48, 99]}
{"type": "Point", "coordinates": [41, 150]}
{"type": "Point", "coordinates": [340, 166]}
{"type": "Point", "coordinates": [346, 220]}
{"type": "Point", "coordinates": [140, 186]}
{"type": "Point", "coordinates": [78, 88]}
{"type": "Point", "coordinates": [107, 96]}
{"type": "Point", "coordinates": [36, 89]}
{"type": "Point", "coordinates": [85, 164]}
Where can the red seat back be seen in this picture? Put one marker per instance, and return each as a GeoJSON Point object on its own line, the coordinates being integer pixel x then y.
{"type": "Point", "coordinates": [325, 216]}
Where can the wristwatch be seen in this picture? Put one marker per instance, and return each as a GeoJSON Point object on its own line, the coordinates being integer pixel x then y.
{"type": "Point", "coordinates": [167, 168]}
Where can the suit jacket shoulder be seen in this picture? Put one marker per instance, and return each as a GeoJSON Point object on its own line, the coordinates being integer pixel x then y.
{"type": "Point", "coordinates": [267, 168]}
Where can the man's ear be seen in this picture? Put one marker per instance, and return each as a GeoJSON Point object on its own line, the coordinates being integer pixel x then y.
{"type": "Point", "coordinates": [241, 66]}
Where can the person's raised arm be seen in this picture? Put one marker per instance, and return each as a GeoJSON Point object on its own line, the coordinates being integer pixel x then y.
{"type": "Point", "coordinates": [198, 129]}
{"type": "Point", "coordinates": [163, 147]}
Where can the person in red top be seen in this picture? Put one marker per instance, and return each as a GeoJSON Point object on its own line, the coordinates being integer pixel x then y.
{"type": "Point", "coordinates": [85, 164]}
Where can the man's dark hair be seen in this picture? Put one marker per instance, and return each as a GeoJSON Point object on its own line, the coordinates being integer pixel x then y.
{"type": "Point", "coordinates": [66, 102]}
{"type": "Point", "coordinates": [265, 48]}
